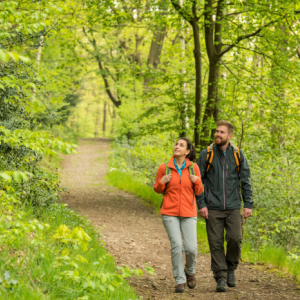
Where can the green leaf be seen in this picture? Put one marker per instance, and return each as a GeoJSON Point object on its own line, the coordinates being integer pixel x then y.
{"type": "Point", "coordinates": [24, 59]}
{"type": "Point", "coordinates": [4, 57]}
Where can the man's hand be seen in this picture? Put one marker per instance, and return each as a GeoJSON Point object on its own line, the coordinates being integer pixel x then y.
{"type": "Point", "coordinates": [246, 213]}
{"type": "Point", "coordinates": [203, 212]}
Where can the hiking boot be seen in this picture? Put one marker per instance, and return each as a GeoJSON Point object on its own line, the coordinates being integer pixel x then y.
{"type": "Point", "coordinates": [221, 285]}
{"type": "Point", "coordinates": [231, 281]}
{"type": "Point", "coordinates": [180, 288]}
{"type": "Point", "coordinates": [190, 280]}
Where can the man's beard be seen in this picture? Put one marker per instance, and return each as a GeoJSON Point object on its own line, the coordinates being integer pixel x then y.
{"type": "Point", "coordinates": [221, 142]}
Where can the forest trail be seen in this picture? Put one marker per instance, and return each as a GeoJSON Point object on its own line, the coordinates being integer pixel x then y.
{"type": "Point", "coordinates": [135, 235]}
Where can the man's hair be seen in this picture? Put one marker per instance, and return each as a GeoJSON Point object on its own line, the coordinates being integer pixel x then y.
{"type": "Point", "coordinates": [227, 124]}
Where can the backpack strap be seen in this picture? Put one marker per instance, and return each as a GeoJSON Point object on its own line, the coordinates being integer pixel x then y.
{"type": "Point", "coordinates": [168, 170]}
{"type": "Point", "coordinates": [192, 172]}
{"type": "Point", "coordinates": [237, 156]}
{"type": "Point", "coordinates": [192, 169]}
{"type": "Point", "coordinates": [209, 156]}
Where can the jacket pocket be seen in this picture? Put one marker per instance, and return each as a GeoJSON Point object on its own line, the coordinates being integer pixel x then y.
{"type": "Point", "coordinates": [169, 203]}
{"type": "Point", "coordinates": [208, 196]}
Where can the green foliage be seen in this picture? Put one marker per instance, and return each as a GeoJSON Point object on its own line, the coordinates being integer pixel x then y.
{"type": "Point", "coordinates": [52, 88]}
{"type": "Point", "coordinates": [44, 259]}
{"type": "Point", "coordinates": [141, 157]}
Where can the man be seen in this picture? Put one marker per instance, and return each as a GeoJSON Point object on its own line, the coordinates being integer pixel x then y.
{"type": "Point", "coordinates": [220, 203]}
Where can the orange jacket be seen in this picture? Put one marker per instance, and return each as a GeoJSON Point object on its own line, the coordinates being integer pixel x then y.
{"type": "Point", "coordinates": [179, 199]}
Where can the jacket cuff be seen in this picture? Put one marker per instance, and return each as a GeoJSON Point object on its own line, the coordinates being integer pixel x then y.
{"type": "Point", "coordinates": [161, 186]}
{"type": "Point", "coordinates": [201, 205]}
{"type": "Point", "coordinates": [247, 205]}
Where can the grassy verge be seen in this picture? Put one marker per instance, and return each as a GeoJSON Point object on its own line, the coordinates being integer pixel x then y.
{"type": "Point", "coordinates": [59, 256]}
{"type": "Point", "coordinates": [124, 181]}
{"type": "Point", "coordinates": [268, 254]}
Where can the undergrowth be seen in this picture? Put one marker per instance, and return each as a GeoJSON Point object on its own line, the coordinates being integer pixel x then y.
{"type": "Point", "coordinates": [58, 256]}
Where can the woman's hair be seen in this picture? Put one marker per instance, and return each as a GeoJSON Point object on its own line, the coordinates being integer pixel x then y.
{"type": "Point", "coordinates": [192, 155]}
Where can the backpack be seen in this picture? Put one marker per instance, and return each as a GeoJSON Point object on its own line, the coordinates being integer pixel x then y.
{"type": "Point", "coordinates": [169, 170]}
{"type": "Point", "coordinates": [210, 156]}
{"type": "Point", "coordinates": [191, 171]}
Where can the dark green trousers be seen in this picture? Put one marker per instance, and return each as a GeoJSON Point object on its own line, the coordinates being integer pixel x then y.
{"type": "Point", "coordinates": [219, 221]}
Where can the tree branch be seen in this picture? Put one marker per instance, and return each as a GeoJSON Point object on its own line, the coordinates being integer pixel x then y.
{"type": "Point", "coordinates": [182, 11]}
{"type": "Point", "coordinates": [116, 102]}
{"type": "Point", "coordinates": [247, 36]}
{"type": "Point", "coordinates": [240, 78]}
{"type": "Point", "coordinates": [264, 55]}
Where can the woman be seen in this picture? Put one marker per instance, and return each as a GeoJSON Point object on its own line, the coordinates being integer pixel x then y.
{"type": "Point", "coordinates": [179, 210]}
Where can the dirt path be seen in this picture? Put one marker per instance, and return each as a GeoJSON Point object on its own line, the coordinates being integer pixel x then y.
{"type": "Point", "coordinates": [134, 235]}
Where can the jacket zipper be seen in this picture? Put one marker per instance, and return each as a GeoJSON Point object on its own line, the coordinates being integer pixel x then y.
{"type": "Point", "coordinates": [208, 196]}
{"type": "Point", "coordinates": [224, 158]}
{"type": "Point", "coordinates": [180, 195]}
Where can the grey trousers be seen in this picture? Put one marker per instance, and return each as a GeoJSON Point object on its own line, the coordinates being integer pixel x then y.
{"type": "Point", "coordinates": [182, 234]}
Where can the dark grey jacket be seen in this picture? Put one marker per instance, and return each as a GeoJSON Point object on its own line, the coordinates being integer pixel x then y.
{"type": "Point", "coordinates": [222, 185]}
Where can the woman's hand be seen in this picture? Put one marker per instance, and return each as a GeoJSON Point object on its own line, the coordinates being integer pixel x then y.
{"type": "Point", "coordinates": [166, 178]}
{"type": "Point", "coordinates": [193, 178]}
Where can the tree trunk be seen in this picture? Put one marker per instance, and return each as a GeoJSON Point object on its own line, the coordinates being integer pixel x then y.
{"type": "Point", "coordinates": [198, 86]}
{"type": "Point", "coordinates": [97, 121]}
{"type": "Point", "coordinates": [39, 53]}
{"type": "Point", "coordinates": [213, 41]}
{"type": "Point", "coordinates": [104, 118]}
{"type": "Point", "coordinates": [211, 108]}
{"type": "Point", "coordinates": [114, 116]}
{"type": "Point", "coordinates": [155, 51]}
{"type": "Point", "coordinates": [192, 18]}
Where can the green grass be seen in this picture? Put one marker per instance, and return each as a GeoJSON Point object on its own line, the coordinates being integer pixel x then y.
{"type": "Point", "coordinates": [34, 265]}
{"type": "Point", "coordinates": [203, 246]}
{"type": "Point", "coordinates": [268, 255]}
{"type": "Point", "coordinates": [125, 182]}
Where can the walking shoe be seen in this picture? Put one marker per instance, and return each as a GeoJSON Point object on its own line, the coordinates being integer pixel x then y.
{"type": "Point", "coordinates": [190, 280]}
{"type": "Point", "coordinates": [180, 288]}
{"type": "Point", "coordinates": [231, 281]}
{"type": "Point", "coordinates": [221, 285]}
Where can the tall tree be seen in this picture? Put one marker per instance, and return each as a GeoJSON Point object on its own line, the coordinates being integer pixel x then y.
{"type": "Point", "coordinates": [192, 18]}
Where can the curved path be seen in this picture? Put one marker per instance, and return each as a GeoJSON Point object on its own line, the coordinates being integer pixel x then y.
{"type": "Point", "coordinates": [134, 235]}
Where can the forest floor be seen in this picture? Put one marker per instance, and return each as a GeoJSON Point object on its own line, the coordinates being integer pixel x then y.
{"type": "Point", "coordinates": [135, 236]}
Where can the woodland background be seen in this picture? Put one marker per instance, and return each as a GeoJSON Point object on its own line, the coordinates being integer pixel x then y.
{"type": "Point", "coordinates": [145, 73]}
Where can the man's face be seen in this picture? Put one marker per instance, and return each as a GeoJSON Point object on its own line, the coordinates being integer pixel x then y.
{"type": "Point", "coordinates": [221, 136]}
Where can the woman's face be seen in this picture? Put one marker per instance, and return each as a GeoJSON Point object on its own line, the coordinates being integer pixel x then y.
{"type": "Point", "coordinates": [180, 148]}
